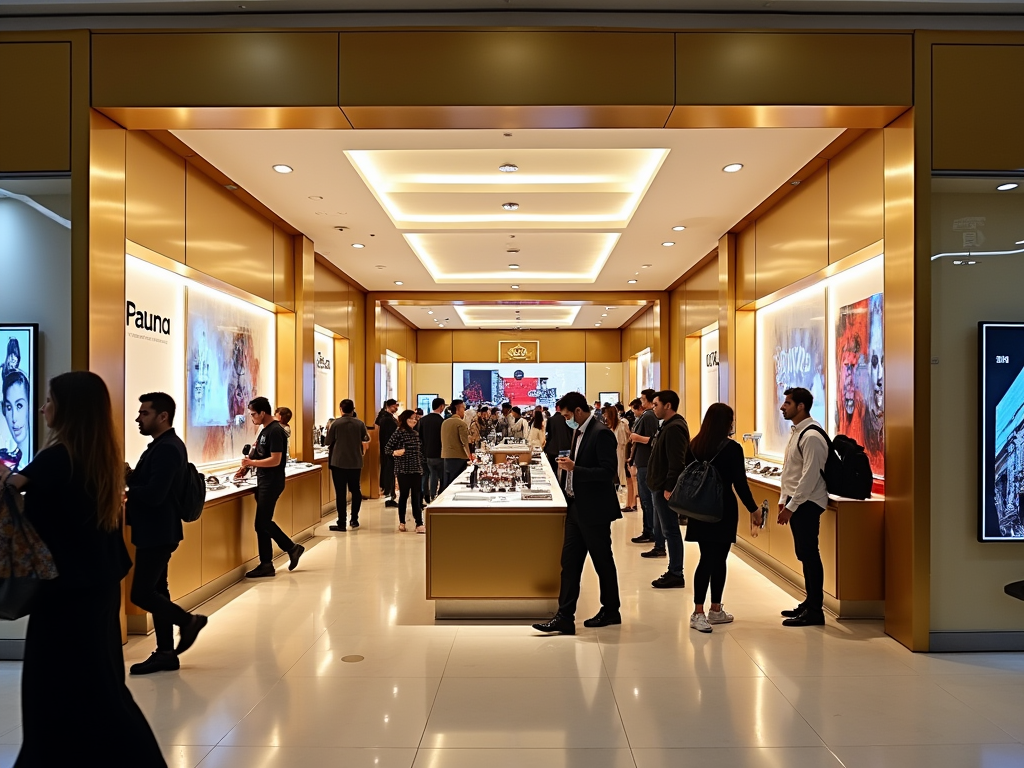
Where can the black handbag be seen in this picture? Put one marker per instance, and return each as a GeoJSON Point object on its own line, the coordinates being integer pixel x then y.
{"type": "Point", "coordinates": [698, 492]}
{"type": "Point", "coordinates": [25, 561]}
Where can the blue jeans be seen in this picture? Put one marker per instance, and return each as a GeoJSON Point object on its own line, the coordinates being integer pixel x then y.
{"type": "Point", "coordinates": [452, 469]}
{"type": "Point", "coordinates": [671, 534]}
{"type": "Point", "coordinates": [433, 479]}
{"type": "Point", "coordinates": [652, 526]}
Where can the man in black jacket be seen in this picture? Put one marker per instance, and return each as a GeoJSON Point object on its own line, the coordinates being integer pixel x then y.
{"type": "Point", "coordinates": [557, 437]}
{"type": "Point", "coordinates": [668, 459]}
{"type": "Point", "coordinates": [154, 515]}
{"type": "Point", "coordinates": [587, 476]}
{"type": "Point", "coordinates": [429, 428]}
{"type": "Point", "coordinates": [387, 424]}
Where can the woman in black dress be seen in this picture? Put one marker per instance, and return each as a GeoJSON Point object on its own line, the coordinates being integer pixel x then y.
{"type": "Point", "coordinates": [75, 707]}
{"type": "Point", "coordinates": [713, 444]}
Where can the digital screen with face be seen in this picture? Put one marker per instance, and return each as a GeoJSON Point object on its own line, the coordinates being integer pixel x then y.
{"type": "Point", "coordinates": [18, 401]}
{"type": "Point", "coordinates": [1001, 353]}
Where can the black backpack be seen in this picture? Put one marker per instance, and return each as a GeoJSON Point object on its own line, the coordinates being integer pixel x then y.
{"type": "Point", "coordinates": [847, 469]}
{"type": "Point", "coordinates": [191, 493]}
{"type": "Point", "coordinates": [698, 492]}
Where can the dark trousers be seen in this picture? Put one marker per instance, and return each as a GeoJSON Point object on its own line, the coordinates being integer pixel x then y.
{"type": "Point", "coordinates": [583, 537]}
{"type": "Point", "coordinates": [346, 481]}
{"type": "Point", "coordinates": [652, 524]}
{"type": "Point", "coordinates": [433, 479]}
{"type": "Point", "coordinates": [671, 536]}
{"type": "Point", "coordinates": [409, 485]}
{"type": "Point", "coordinates": [805, 524]}
{"type": "Point", "coordinates": [711, 570]}
{"type": "Point", "coordinates": [150, 593]}
{"type": "Point", "coordinates": [387, 475]}
{"type": "Point", "coordinates": [452, 469]}
{"type": "Point", "coordinates": [267, 494]}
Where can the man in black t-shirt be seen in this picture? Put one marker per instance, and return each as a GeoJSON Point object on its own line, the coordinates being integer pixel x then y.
{"type": "Point", "coordinates": [267, 456]}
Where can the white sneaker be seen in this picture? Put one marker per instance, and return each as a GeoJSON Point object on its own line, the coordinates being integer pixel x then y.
{"type": "Point", "coordinates": [699, 622]}
{"type": "Point", "coordinates": [719, 617]}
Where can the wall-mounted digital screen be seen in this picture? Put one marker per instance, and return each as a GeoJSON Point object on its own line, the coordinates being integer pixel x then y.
{"type": "Point", "coordinates": [522, 384]}
{"type": "Point", "coordinates": [1001, 474]}
{"type": "Point", "coordinates": [18, 374]}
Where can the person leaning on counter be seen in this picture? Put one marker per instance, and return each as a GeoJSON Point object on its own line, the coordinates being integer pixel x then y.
{"type": "Point", "coordinates": [455, 443]}
{"type": "Point", "coordinates": [587, 476]}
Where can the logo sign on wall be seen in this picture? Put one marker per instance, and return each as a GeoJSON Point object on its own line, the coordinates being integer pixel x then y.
{"type": "Point", "coordinates": [518, 351]}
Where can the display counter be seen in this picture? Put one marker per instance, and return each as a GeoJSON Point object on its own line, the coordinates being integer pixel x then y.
{"type": "Point", "coordinates": [328, 500]}
{"type": "Point", "coordinates": [501, 452]}
{"type": "Point", "coordinates": [495, 555]}
{"type": "Point", "coordinates": [220, 546]}
{"type": "Point", "coordinates": [851, 541]}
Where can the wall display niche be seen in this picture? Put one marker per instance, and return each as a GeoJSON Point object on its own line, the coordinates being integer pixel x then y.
{"type": "Point", "coordinates": [708, 371]}
{"type": "Point", "coordinates": [19, 376]}
{"type": "Point", "coordinates": [323, 379]}
{"type": "Point", "coordinates": [644, 371]}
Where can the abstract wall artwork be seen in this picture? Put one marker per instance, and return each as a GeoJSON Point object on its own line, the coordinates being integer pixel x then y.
{"type": "Point", "coordinates": [860, 377]}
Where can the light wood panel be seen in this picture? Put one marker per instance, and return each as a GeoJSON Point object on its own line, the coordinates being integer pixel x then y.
{"type": "Point", "coordinates": [977, 107]}
{"type": "Point", "coordinates": [856, 197]}
{"type": "Point", "coordinates": [211, 69]}
{"type": "Point", "coordinates": [744, 404]}
{"type": "Point", "coordinates": [284, 269]}
{"type": "Point", "coordinates": [436, 347]}
{"type": "Point", "coordinates": [691, 382]}
{"type": "Point", "coordinates": [227, 239]}
{"type": "Point", "coordinates": [746, 266]}
{"type": "Point", "coordinates": [792, 238]}
{"type": "Point", "coordinates": [726, 319]}
{"type": "Point", "coordinates": [702, 298]}
{"type": "Point", "coordinates": [794, 68]}
{"type": "Point", "coordinates": [155, 196]}
{"type": "Point", "coordinates": [184, 573]}
{"type": "Point", "coordinates": [603, 346]}
{"type": "Point", "coordinates": [223, 536]}
{"type": "Point", "coordinates": [503, 118]}
{"type": "Point", "coordinates": [677, 348]}
{"type": "Point", "coordinates": [35, 107]}
{"type": "Point", "coordinates": [305, 355]}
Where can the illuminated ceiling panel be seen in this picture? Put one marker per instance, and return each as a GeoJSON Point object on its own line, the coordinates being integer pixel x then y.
{"type": "Point", "coordinates": [477, 316]}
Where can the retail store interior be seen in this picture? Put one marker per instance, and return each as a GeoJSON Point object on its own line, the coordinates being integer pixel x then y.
{"type": "Point", "coordinates": [491, 265]}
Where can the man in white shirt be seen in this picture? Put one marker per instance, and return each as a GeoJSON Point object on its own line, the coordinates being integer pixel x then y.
{"type": "Point", "coordinates": [803, 499]}
{"type": "Point", "coordinates": [520, 427]}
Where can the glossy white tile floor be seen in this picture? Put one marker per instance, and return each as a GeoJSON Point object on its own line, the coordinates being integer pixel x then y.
{"type": "Point", "coordinates": [266, 684]}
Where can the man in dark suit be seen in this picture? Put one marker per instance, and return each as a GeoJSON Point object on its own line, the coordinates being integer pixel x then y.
{"type": "Point", "coordinates": [557, 437]}
{"type": "Point", "coordinates": [587, 476]}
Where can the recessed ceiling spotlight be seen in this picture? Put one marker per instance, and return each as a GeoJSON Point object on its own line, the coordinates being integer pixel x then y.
{"type": "Point", "coordinates": [514, 287]}
{"type": "Point", "coordinates": [511, 250]}
{"type": "Point", "coordinates": [646, 266]}
{"type": "Point", "coordinates": [381, 266]}
{"type": "Point", "coordinates": [609, 308]}
{"type": "Point", "coordinates": [399, 282]}
{"type": "Point", "coordinates": [441, 325]}
{"type": "Point", "coordinates": [360, 245]}
{"type": "Point", "coordinates": [678, 229]}
{"type": "Point", "coordinates": [733, 167]}
{"type": "Point", "coordinates": [510, 206]}
{"type": "Point", "coordinates": [604, 314]}
{"type": "Point", "coordinates": [631, 282]}
{"type": "Point", "coordinates": [506, 135]}
{"type": "Point", "coordinates": [430, 311]}
{"type": "Point", "coordinates": [231, 187]}
{"type": "Point", "coordinates": [316, 197]}
{"type": "Point", "coordinates": [668, 244]}
{"type": "Point", "coordinates": [447, 319]}
{"type": "Point", "coordinates": [795, 183]}
{"type": "Point", "coordinates": [1006, 187]}
{"type": "Point", "coordinates": [283, 168]}
{"type": "Point", "coordinates": [513, 266]}
{"type": "Point", "coordinates": [508, 167]}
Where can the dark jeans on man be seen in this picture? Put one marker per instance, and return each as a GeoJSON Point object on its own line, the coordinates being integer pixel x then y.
{"type": "Point", "coordinates": [671, 536]}
{"type": "Point", "coordinates": [267, 494]}
{"type": "Point", "coordinates": [583, 537]}
{"type": "Point", "coordinates": [652, 526]}
{"type": "Point", "coordinates": [387, 475]}
{"type": "Point", "coordinates": [150, 593]}
{"type": "Point", "coordinates": [409, 485]}
{"type": "Point", "coordinates": [452, 469]}
{"type": "Point", "coordinates": [805, 524]}
{"type": "Point", "coordinates": [346, 481]}
{"type": "Point", "coordinates": [433, 479]}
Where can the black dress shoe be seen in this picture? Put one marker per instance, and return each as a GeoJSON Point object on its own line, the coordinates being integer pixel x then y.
{"type": "Point", "coordinates": [391, 503]}
{"type": "Point", "coordinates": [261, 571]}
{"type": "Point", "coordinates": [654, 552]}
{"type": "Point", "coordinates": [603, 619]}
{"type": "Point", "coordinates": [188, 634]}
{"type": "Point", "coordinates": [337, 528]}
{"type": "Point", "coordinates": [158, 661]}
{"type": "Point", "coordinates": [354, 524]}
{"type": "Point", "coordinates": [669, 580]}
{"type": "Point", "coordinates": [294, 555]}
{"type": "Point", "coordinates": [806, 619]}
{"type": "Point", "coordinates": [558, 624]}
{"type": "Point", "coordinates": [793, 613]}
{"type": "Point", "coordinates": [643, 538]}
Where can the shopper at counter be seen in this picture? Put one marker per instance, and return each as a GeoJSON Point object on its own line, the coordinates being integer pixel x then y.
{"type": "Point", "coordinates": [536, 438]}
{"type": "Point", "coordinates": [387, 425]}
{"type": "Point", "coordinates": [455, 443]}
{"type": "Point", "coordinates": [429, 428]}
{"type": "Point", "coordinates": [644, 431]}
{"type": "Point", "coordinates": [520, 427]}
{"type": "Point", "coordinates": [713, 444]}
{"type": "Point", "coordinates": [668, 458]}
{"type": "Point", "coordinates": [621, 432]}
{"type": "Point", "coordinates": [479, 427]}
{"type": "Point", "coordinates": [803, 499]}
{"type": "Point", "coordinates": [557, 437]}
{"type": "Point", "coordinates": [346, 440]}
{"type": "Point", "coordinates": [154, 514]}
{"type": "Point", "coordinates": [404, 447]}
{"type": "Point", "coordinates": [75, 707]}
{"type": "Point", "coordinates": [270, 449]}
{"type": "Point", "coordinates": [586, 476]}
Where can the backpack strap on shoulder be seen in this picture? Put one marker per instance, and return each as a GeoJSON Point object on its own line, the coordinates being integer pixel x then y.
{"type": "Point", "coordinates": [819, 430]}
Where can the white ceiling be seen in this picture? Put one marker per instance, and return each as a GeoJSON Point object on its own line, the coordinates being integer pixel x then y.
{"type": "Point", "coordinates": [326, 191]}
{"type": "Point", "coordinates": [531, 315]}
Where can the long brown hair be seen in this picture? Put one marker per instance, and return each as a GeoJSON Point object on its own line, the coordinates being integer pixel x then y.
{"type": "Point", "coordinates": [611, 417]}
{"type": "Point", "coordinates": [714, 430]}
{"type": "Point", "coordinates": [83, 422]}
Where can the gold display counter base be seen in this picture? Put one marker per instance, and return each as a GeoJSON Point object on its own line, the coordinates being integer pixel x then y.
{"type": "Point", "coordinates": [495, 609]}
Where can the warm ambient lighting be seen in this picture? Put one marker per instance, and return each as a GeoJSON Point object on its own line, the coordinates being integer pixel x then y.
{"type": "Point", "coordinates": [508, 168]}
{"type": "Point", "coordinates": [358, 245]}
{"type": "Point", "coordinates": [733, 167]}
{"type": "Point", "coordinates": [1006, 187]}
{"type": "Point", "coordinates": [678, 229]}
{"type": "Point", "coordinates": [513, 266]}
{"type": "Point", "coordinates": [510, 206]}
{"type": "Point", "coordinates": [515, 287]}
{"type": "Point", "coordinates": [399, 282]}
{"type": "Point", "coordinates": [596, 323]}
{"type": "Point", "coordinates": [283, 168]}
{"type": "Point", "coordinates": [631, 281]}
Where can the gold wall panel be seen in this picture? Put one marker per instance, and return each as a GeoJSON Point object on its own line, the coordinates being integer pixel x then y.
{"type": "Point", "coordinates": [794, 68]}
{"type": "Point", "coordinates": [691, 382]}
{"type": "Point", "coordinates": [781, 116]}
{"type": "Point", "coordinates": [792, 238]}
{"type": "Point", "coordinates": [154, 196]}
{"type": "Point", "coordinates": [603, 346]}
{"type": "Point", "coordinates": [482, 346]}
{"type": "Point", "coordinates": [335, 307]}
{"type": "Point", "coordinates": [677, 348]}
{"type": "Point", "coordinates": [505, 68]}
{"type": "Point", "coordinates": [185, 571]}
{"type": "Point", "coordinates": [977, 107]}
{"type": "Point", "coordinates": [702, 298]}
{"type": "Point", "coordinates": [746, 266]}
{"type": "Point", "coordinates": [224, 531]}
{"type": "Point", "coordinates": [287, 361]}
{"type": "Point", "coordinates": [248, 526]}
{"type": "Point", "coordinates": [227, 239]}
{"type": "Point", "coordinates": [434, 346]}
{"type": "Point", "coordinates": [856, 197]}
{"type": "Point", "coordinates": [284, 269]}
{"type": "Point", "coordinates": [228, 118]}
{"type": "Point", "coordinates": [307, 501]}
{"type": "Point", "coordinates": [506, 117]}
{"type": "Point", "coordinates": [35, 107]}
{"type": "Point", "coordinates": [342, 370]}
{"type": "Point", "coordinates": [746, 395]}
{"type": "Point", "coordinates": [726, 319]}
{"type": "Point", "coordinates": [237, 69]}
{"type": "Point", "coordinates": [303, 263]}
{"type": "Point", "coordinates": [283, 513]}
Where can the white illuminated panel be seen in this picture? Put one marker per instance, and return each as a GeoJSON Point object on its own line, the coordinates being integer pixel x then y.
{"type": "Point", "coordinates": [708, 371]}
{"type": "Point", "coordinates": [504, 316]}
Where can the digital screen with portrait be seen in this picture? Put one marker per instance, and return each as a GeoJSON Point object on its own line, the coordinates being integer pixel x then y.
{"type": "Point", "coordinates": [522, 384]}
{"type": "Point", "coordinates": [20, 364]}
{"type": "Point", "coordinates": [1001, 364]}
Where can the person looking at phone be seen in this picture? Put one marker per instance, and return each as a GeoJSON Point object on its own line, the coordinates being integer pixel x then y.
{"type": "Point", "coordinates": [267, 457]}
